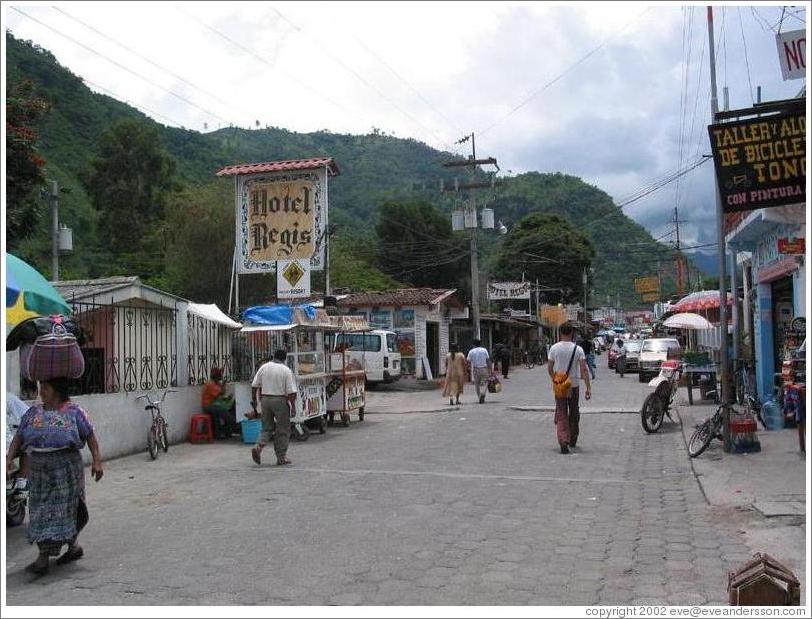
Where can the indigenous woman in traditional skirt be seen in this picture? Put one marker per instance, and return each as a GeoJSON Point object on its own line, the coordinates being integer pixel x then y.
{"type": "Point", "coordinates": [456, 373]}
{"type": "Point", "coordinates": [52, 434]}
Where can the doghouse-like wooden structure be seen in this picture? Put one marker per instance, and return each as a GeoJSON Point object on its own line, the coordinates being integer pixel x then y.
{"type": "Point", "coordinates": [763, 581]}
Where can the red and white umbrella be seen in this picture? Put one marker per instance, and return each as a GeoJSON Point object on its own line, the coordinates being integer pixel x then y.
{"type": "Point", "coordinates": [699, 301]}
{"type": "Point", "coordinates": [687, 320]}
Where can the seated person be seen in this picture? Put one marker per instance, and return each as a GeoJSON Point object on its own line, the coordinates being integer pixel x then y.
{"type": "Point", "coordinates": [217, 403]}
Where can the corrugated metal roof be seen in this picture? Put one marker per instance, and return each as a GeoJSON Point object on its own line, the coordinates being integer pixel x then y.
{"type": "Point", "coordinates": [81, 288]}
{"type": "Point", "coordinates": [312, 163]}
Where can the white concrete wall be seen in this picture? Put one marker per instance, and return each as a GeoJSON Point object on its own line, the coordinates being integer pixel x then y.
{"type": "Point", "coordinates": [122, 423]}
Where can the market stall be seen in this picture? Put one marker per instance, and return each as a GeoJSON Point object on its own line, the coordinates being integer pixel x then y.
{"type": "Point", "coordinates": [346, 390]}
{"type": "Point", "coordinates": [300, 331]}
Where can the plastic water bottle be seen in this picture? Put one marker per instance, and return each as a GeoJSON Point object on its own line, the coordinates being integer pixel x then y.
{"type": "Point", "coordinates": [773, 416]}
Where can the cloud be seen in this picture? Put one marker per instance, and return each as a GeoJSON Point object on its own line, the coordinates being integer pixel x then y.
{"type": "Point", "coordinates": [626, 115]}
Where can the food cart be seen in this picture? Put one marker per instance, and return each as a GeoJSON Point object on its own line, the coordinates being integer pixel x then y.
{"type": "Point", "coordinates": [346, 390]}
{"type": "Point", "coordinates": [299, 330]}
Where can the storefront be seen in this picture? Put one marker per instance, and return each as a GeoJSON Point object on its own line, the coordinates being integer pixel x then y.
{"type": "Point", "coordinates": [420, 317]}
{"type": "Point", "coordinates": [778, 285]}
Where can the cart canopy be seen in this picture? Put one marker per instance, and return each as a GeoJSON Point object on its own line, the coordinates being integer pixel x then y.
{"type": "Point", "coordinates": [284, 317]}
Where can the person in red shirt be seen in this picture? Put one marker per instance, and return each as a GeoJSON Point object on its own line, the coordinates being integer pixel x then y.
{"type": "Point", "coordinates": [216, 403]}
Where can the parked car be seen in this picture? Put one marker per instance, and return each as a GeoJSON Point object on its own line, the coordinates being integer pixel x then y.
{"type": "Point", "coordinates": [653, 352]}
{"type": "Point", "coordinates": [632, 348]}
{"type": "Point", "coordinates": [382, 360]}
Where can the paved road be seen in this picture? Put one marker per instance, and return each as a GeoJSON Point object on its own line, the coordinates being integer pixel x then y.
{"type": "Point", "coordinates": [472, 505]}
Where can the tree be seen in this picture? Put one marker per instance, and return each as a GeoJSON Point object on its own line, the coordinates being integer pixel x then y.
{"type": "Point", "coordinates": [351, 269]}
{"type": "Point", "coordinates": [549, 248]}
{"type": "Point", "coordinates": [128, 182]}
{"type": "Point", "coordinates": [416, 245]}
{"type": "Point", "coordinates": [24, 165]}
{"type": "Point", "coordinates": [200, 242]}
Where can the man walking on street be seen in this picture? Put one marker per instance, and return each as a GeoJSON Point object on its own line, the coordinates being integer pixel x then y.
{"type": "Point", "coordinates": [567, 356]}
{"type": "Point", "coordinates": [481, 368]}
{"type": "Point", "coordinates": [275, 387]}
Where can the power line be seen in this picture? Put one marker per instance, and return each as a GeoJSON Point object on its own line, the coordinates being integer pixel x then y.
{"type": "Point", "coordinates": [128, 102]}
{"type": "Point", "coordinates": [569, 69]}
{"type": "Point", "coordinates": [408, 84]}
{"type": "Point", "coordinates": [746, 59]}
{"type": "Point", "coordinates": [360, 77]}
{"type": "Point", "coordinates": [118, 64]}
{"type": "Point", "coordinates": [139, 55]}
{"type": "Point", "coordinates": [266, 62]}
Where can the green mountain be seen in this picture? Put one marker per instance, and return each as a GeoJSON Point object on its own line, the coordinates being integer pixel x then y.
{"type": "Point", "coordinates": [374, 167]}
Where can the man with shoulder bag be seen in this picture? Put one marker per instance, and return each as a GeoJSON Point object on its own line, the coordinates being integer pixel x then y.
{"type": "Point", "coordinates": [566, 366]}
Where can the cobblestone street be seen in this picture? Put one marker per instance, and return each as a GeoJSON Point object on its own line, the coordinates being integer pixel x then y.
{"type": "Point", "coordinates": [471, 505]}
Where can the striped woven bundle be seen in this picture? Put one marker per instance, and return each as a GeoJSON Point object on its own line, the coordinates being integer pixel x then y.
{"type": "Point", "coordinates": [55, 355]}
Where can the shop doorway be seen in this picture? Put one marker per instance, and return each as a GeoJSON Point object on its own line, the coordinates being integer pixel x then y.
{"type": "Point", "coordinates": [782, 316]}
{"type": "Point", "coordinates": [433, 346]}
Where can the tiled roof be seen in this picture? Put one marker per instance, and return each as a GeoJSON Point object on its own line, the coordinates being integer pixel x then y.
{"type": "Point", "coordinates": [400, 297]}
{"type": "Point", "coordinates": [80, 288]}
{"type": "Point", "coordinates": [282, 166]}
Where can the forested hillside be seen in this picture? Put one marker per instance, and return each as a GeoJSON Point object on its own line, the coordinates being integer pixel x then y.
{"type": "Point", "coordinates": [374, 168]}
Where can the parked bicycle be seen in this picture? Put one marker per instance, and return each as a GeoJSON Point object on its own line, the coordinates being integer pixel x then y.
{"type": "Point", "coordinates": [157, 434]}
{"type": "Point", "coordinates": [529, 359]}
{"type": "Point", "coordinates": [708, 430]}
{"type": "Point", "coordinates": [746, 390]}
{"type": "Point", "coordinates": [660, 402]}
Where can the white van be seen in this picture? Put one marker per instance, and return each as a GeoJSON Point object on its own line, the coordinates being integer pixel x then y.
{"type": "Point", "coordinates": [378, 348]}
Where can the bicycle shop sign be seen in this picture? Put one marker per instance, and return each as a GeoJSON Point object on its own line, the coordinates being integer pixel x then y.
{"type": "Point", "coordinates": [498, 291]}
{"type": "Point", "coordinates": [761, 162]}
{"type": "Point", "coordinates": [281, 211]}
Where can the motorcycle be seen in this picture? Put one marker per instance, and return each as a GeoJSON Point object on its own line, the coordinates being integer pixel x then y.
{"type": "Point", "coordinates": [16, 483]}
{"type": "Point", "coordinates": [659, 403]}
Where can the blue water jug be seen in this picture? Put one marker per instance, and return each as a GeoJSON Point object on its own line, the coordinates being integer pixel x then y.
{"type": "Point", "coordinates": [773, 416]}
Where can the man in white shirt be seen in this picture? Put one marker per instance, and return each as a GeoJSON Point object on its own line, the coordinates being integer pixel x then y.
{"type": "Point", "coordinates": [275, 388]}
{"type": "Point", "coordinates": [567, 356]}
{"type": "Point", "coordinates": [481, 368]}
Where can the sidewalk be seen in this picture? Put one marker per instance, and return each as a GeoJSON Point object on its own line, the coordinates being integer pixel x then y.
{"type": "Point", "coordinates": [761, 495]}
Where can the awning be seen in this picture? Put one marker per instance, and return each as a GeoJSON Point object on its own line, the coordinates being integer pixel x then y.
{"type": "Point", "coordinates": [252, 328]}
{"type": "Point", "coordinates": [213, 313]}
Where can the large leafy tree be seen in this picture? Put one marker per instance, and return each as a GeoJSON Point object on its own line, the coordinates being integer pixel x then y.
{"type": "Point", "coordinates": [549, 248]}
{"type": "Point", "coordinates": [128, 183]}
{"type": "Point", "coordinates": [24, 165]}
{"type": "Point", "coordinates": [417, 246]}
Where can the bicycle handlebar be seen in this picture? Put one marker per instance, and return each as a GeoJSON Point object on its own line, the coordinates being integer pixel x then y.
{"type": "Point", "coordinates": [157, 402]}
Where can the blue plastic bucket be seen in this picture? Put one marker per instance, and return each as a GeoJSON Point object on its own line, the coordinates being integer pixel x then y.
{"type": "Point", "coordinates": [250, 430]}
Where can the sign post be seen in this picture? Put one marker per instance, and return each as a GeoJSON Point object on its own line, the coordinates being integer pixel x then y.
{"type": "Point", "coordinates": [281, 216]}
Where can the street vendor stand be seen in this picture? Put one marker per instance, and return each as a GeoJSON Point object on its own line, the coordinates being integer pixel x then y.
{"type": "Point", "coordinates": [346, 390]}
{"type": "Point", "coordinates": [300, 331]}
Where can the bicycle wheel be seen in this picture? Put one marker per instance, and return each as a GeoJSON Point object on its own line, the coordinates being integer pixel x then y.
{"type": "Point", "coordinates": [652, 414]}
{"type": "Point", "coordinates": [701, 438]}
{"type": "Point", "coordinates": [152, 442]}
{"type": "Point", "coordinates": [163, 436]}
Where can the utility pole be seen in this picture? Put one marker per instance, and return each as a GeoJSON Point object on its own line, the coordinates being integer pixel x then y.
{"type": "Point", "coordinates": [585, 293]}
{"type": "Point", "coordinates": [54, 231]}
{"type": "Point", "coordinates": [720, 239]}
{"type": "Point", "coordinates": [471, 219]}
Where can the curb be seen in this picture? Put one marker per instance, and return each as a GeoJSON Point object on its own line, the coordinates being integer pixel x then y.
{"type": "Point", "coordinates": [588, 411]}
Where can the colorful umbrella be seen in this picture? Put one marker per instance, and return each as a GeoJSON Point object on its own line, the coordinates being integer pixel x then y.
{"type": "Point", "coordinates": [699, 301]}
{"type": "Point", "coordinates": [687, 320]}
{"type": "Point", "coordinates": [28, 293]}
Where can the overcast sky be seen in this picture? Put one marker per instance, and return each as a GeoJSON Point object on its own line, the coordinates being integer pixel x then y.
{"type": "Point", "coordinates": [633, 81]}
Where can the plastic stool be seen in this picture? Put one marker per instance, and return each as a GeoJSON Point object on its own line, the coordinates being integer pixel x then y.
{"type": "Point", "coordinates": [201, 430]}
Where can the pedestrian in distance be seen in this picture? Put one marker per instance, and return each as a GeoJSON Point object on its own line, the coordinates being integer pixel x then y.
{"type": "Point", "coordinates": [455, 374]}
{"type": "Point", "coordinates": [589, 350]}
{"type": "Point", "coordinates": [481, 368]}
{"type": "Point", "coordinates": [274, 388]}
{"type": "Point", "coordinates": [52, 434]}
{"type": "Point", "coordinates": [566, 366]}
{"type": "Point", "coordinates": [504, 359]}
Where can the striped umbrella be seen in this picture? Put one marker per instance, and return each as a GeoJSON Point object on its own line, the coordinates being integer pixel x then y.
{"type": "Point", "coordinates": [28, 293]}
{"type": "Point", "coordinates": [699, 301]}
